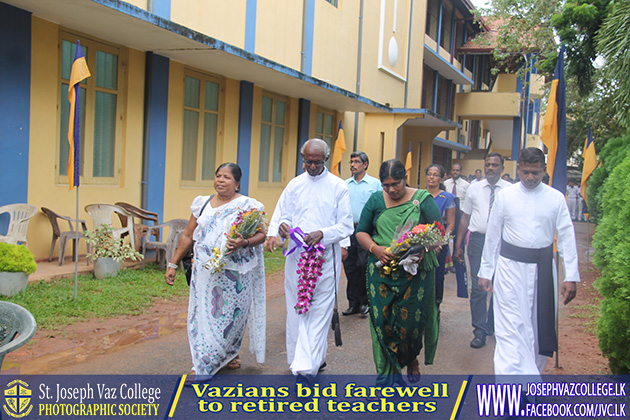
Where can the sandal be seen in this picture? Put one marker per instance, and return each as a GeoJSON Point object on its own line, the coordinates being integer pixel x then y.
{"type": "Point", "coordinates": [413, 371]}
{"type": "Point", "coordinates": [235, 363]}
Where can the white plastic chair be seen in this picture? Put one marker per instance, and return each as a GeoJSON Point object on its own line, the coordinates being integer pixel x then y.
{"type": "Point", "coordinates": [102, 215]}
{"type": "Point", "coordinates": [20, 215]}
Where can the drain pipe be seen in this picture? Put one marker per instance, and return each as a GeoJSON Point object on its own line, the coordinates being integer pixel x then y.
{"type": "Point", "coordinates": [358, 85]}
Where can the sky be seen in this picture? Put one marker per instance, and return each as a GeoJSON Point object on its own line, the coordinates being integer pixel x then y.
{"type": "Point", "coordinates": [480, 3]}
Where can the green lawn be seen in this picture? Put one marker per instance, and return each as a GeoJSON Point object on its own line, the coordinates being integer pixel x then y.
{"type": "Point", "coordinates": [130, 293]}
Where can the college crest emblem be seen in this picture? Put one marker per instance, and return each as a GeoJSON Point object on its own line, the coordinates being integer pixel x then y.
{"type": "Point", "coordinates": [17, 398]}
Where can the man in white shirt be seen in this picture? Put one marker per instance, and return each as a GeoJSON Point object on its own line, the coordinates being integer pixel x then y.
{"type": "Point", "coordinates": [361, 187]}
{"type": "Point", "coordinates": [479, 201]}
{"type": "Point", "coordinates": [477, 178]}
{"type": "Point", "coordinates": [456, 185]}
{"type": "Point", "coordinates": [519, 254]}
{"type": "Point", "coordinates": [318, 203]}
{"type": "Point", "coordinates": [573, 198]}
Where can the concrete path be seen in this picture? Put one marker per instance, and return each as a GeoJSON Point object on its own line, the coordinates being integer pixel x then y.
{"type": "Point", "coordinates": [169, 354]}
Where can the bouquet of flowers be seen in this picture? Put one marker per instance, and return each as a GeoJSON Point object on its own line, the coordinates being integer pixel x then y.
{"type": "Point", "coordinates": [410, 240]}
{"type": "Point", "coordinates": [247, 223]}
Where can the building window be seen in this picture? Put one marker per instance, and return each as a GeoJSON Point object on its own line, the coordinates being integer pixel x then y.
{"type": "Point", "coordinates": [100, 97]}
{"type": "Point", "coordinates": [333, 2]}
{"type": "Point", "coordinates": [201, 128]}
{"type": "Point", "coordinates": [272, 138]}
{"type": "Point", "coordinates": [433, 14]}
{"type": "Point", "coordinates": [325, 128]}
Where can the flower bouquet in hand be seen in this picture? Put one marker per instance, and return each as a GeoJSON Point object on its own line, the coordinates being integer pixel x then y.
{"type": "Point", "coordinates": [247, 223]}
{"type": "Point", "coordinates": [410, 242]}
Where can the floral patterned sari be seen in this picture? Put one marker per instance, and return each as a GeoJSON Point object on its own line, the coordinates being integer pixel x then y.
{"type": "Point", "coordinates": [219, 304]}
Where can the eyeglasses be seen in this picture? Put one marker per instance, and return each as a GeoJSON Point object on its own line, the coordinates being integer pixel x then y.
{"type": "Point", "coordinates": [393, 184]}
{"type": "Point", "coordinates": [314, 162]}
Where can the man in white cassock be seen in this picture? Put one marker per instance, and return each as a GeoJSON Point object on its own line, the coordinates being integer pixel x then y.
{"type": "Point", "coordinates": [318, 203]}
{"type": "Point", "coordinates": [519, 252]}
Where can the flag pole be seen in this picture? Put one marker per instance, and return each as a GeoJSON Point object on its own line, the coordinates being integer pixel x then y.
{"type": "Point", "coordinates": [76, 247]}
{"type": "Point", "coordinates": [588, 240]}
{"type": "Point", "coordinates": [557, 257]}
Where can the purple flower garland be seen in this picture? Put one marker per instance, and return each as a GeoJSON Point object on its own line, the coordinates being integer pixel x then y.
{"type": "Point", "coordinates": [309, 271]}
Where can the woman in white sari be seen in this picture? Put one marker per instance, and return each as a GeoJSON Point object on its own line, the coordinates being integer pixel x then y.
{"type": "Point", "coordinates": [220, 300]}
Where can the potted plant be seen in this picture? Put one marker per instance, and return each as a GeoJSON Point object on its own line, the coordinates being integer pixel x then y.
{"type": "Point", "coordinates": [16, 264]}
{"type": "Point", "coordinates": [108, 251]}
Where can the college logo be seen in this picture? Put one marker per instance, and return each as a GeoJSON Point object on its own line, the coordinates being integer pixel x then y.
{"type": "Point", "coordinates": [18, 399]}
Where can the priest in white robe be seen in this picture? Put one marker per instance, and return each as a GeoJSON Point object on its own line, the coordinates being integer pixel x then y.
{"type": "Point", "coordinates": [518, 251]}
{"type": "Point", "coordinates": [318, 203]}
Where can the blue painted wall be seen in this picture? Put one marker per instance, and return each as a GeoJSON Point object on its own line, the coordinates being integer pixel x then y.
{"type": "Point", "coordinates": [304, 121]}
{"type": "Point", "coordinates": [307, 42]}
{"type": "Point", "coordinates": [250, 26]}
{"type": "Point", "coordinates": [155, 133]}
{"type": "Point", "coordinates": [245, 113]}
{"type": "Point", "coordinates": [162, 8]}
{"type": "Point", "coordinates": [15, 106]}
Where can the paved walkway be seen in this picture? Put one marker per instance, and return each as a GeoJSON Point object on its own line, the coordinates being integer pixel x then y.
{"type": "Point", "coordinates": [169, 353]}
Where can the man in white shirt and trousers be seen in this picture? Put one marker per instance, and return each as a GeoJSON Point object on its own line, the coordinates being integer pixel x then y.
{"type": "Point", "coordinates": [479, 200]}
{"type": "Point", "coordinates": [318, 203]}
{"type": "Point", "coordinates": [519, 253]}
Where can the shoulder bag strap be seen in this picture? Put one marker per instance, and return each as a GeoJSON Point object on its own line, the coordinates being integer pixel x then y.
{"type": "Point", "coordinates": [205, 204]}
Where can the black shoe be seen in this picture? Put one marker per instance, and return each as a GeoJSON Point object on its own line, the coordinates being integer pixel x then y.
{"type": "Point", "coordinates": [478, 342]}
{"type": "Point", "coordinates": [351, 311]}
{"type": "Point", "coordinates": [322, 367]}
{"type": "Point", "coordinates": [365, 309]}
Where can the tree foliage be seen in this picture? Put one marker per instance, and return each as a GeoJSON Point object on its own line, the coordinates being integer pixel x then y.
{"type": "Point", "coordinates": [577, 25]}
{"type": "Point", "coordinates": [613, 42]}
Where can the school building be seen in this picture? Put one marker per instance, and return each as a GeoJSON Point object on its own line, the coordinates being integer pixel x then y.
{"type": "Point", "coordinates": [179, 86]}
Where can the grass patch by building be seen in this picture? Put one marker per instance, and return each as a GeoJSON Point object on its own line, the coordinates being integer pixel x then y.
{"type": "Point", "coordinates": [130, 293]}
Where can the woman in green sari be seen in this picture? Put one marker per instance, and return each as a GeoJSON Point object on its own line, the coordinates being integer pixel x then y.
{"type": "Point", "coordinates": [402, 307]}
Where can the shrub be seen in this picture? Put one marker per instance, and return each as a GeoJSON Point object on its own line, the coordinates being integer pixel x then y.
{"type": "Point", "coordinates": [16, 258]}
{"type": "Point", "coordinates": [612, 154]}
{"type": "Point", "coordinates": [612, 256]}
{"type": "Point", "coordinates": [105, 245]}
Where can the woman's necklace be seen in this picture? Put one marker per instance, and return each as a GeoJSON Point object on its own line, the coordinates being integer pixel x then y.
{"type": "Point", "coordinates": [221, 202]}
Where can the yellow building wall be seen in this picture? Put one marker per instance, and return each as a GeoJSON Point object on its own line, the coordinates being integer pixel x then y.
{"type": "Point", "coordinates": [416, 56]}
{"type": "Point", "coordinates": [335, 43]}
{"type": "Point", "coordinates": [279, 31]}
{"type": "Point", "coordinates": [142, 4]}
{"type": "Point", "coordinates": [377, 84]}
{"type": "Point", "coordinates": [505, 82]}
{"type": "Point", "coordinates": [223, 20]}
{"type": "Point", "coordinates": [177, 198]}
{"type": "Point", "coordinates": [268, 193]}
{"type": "Point", "coordinates": [43, 189]}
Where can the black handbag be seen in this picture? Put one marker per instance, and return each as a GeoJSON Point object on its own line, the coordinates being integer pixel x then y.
{"type": "Point", "coordinates": [187, 261]}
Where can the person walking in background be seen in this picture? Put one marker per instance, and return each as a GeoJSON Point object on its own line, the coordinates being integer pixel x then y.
{"type": "Point", "coordinates": [361, 186]}
{"type": "Point", "coordinates": [318, 203]}
{"type": "Point", "coordinates": [573, 197]}
{"type": "Point", "coordinates": [477, 178]}
{"type": "Point", "coordinates": [518, 252]}
{"type": "Point", "coordinates": [457, 186]}
{"type": "Point", "coordinates": [403, 314]}
{"type": "Point", "coordinates": [220, 300]}
{"type": "Point", "coordinates": [479, 200]}
{"type": "Point", "coordinates": [446, 203]}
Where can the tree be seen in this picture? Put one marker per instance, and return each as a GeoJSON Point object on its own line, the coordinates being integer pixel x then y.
{"type": "Point", "coordinates": [614, 44]}
{"type": "Point", "coordinates": [577, 25]}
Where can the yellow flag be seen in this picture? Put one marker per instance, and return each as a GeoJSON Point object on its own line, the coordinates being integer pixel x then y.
{"type": "Point", "coordinates": [340, 147]}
